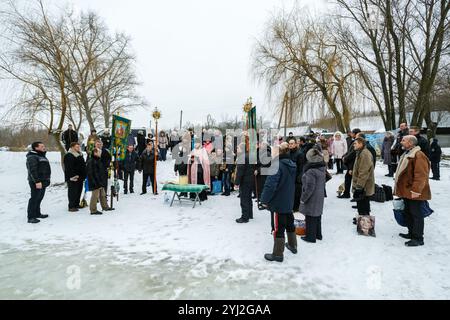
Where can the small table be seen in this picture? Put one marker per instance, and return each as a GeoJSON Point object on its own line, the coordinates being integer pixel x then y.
{"type": "Point", "coordinates": [187, 188]}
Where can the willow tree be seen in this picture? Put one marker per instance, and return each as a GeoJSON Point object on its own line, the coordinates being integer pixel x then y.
{"type": "Point", "coordinates": [299, 54]}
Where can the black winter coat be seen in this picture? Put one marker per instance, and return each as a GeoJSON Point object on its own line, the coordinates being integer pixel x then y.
{"type": "Point", "coordinates": [435, 151]}
{"type": "Point", "coordinates": [424, 145]}
{"type": "Point", "coordinates": [147, 162]}
{"type": "Point", "coordinates": [279, 188]}
{"type": "Point", "coordinates": [245, 172]}
{"type": "Point", "coordinates": [96, 174]}
{"type": "Point", "coordinates": [130, 162]}
{"type": "Point", "coordinates": [373, 152]}
{"type": "Point", "coordinates": [74, 166]}
{"type": "Point", "coordinates": [105, 158]}
{"type": "Point", "coordinates": [69, 136]}
{"type": "Point", "coordinates": [350, 157]}
{"type": "Point", "coordinates": [181, 157]}
{"type": "Point", "coordinates": [106, 142]}
{"type": "Point", "coordinates": [38, 168]}
{"type": "Point", "coordinates": [141, 143]}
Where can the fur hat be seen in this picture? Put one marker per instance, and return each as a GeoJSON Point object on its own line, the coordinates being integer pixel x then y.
{"type": "Point", "coordinates": [314, 156]}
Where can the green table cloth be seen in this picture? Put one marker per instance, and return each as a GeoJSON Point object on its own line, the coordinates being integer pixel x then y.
{"type": "Point", "coordinates": [194, 188]}
{"type": "Point", "coordinates": [187, 188]}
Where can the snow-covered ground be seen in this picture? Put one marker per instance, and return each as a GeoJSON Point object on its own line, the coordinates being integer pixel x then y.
{"type": "Point", "coordinates": [147, 250]}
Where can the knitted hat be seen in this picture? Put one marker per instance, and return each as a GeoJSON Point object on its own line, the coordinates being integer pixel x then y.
{"type": "Point", "coordinates": [314, 156]}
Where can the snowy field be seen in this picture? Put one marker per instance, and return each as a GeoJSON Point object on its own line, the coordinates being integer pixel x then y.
{"type": "Point", "coordinates": [147, 250]}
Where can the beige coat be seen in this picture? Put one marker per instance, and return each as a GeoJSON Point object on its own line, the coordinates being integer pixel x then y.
{"type": "Point", "coordinates": [363, 172]}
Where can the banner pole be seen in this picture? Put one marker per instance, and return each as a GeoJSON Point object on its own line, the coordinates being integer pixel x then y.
{"type": "Point", "coordinates": [156, 157]}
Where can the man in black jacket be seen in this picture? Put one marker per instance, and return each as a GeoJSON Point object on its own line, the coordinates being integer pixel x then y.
{"type": "Point", "coordinates": [397, 148]}
{"type": "Point", "coordinates": [75, 174]}
{"type": "Point", "coordinates": [245, 180]}
{"type": "Point", "coordinates": [69, 136]}
{"type": "Point", "coordinates": [349, 160]}
{"type": "Point", "coordinates": [147, 167]}
{"type": "Point", "coordinates": [422, 142]}
{"type": "Point", "coordinates": [140, 142]}
{"type": "Point", "coordinates": [435, 159]}
{"type": "Point", "coordinates": [129, 166]}
{"type": "Point", "coordinates": [39, 173]}
{"type": "Point", "coordinates": [105, 159]}
{"type": "Point", "coordinates": [97, 180]}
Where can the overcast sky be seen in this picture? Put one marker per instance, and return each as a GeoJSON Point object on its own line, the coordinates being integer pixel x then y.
{"type": "Point", "coordinates": [192, 55]}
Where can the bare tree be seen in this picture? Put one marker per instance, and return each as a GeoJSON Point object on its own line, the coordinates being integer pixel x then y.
{"type": "Point", "coordinates": [36, 60]}
{"type": "Point", "coordinates": [402, 42]}
{"type": "Point", "coordinates": [69, 67]}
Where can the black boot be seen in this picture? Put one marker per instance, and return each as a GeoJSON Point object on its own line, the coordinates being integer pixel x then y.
{"type": "Point", "coordinates": [241, 220]}
{"type": "Point", "coordinates": [291, 245]}
{"type": "Point", "coordinates": [308, 240]}
{"type": "Point", "coordinates": [278, 249]}
{"type": "Point", "coordinates": [33, 221]}
{"type": "Point", "coordinates": [414, 243]}
{"type": "Point", "coordinates": [405, 236]}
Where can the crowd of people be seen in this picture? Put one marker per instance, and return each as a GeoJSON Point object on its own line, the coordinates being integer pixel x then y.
{"type": "Point", "coordinates": [286, 177]}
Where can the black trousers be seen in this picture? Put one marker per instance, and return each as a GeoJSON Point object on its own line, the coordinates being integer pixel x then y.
{"type": "Point", "coordinates": [245, 190]}
{"type": "Point", "coordinates": [330, 164]}
{"type": "Point", "coordinates": [339, 167]}
{"type": "Point", "coordinates": [128, 176]}
{"type": "Point", "coordinates": [74, 190]}
{"type": "Point", "coordinates": [363, 206]}
{"type": "Point", "coordinates": [203, 196]}
{"type": "Point", "coordinates": [282, 222]}
{"type": "Point", "coordinates": [145, 177]}
{"type": "Point", "coordinates": [313, 228]}
{"type": "Point", "coordinates": [348, 184]}
{"type": "Point", "coordinates": [391, 169]}
{"type": "Point", "coordinates": [414, 218]}
{"type": "Point", "coordinates": [34, 204]}
{"type": "Point", "coordinates": [436, 170]}
{"type": "Point", "coordinates": [297, 196]}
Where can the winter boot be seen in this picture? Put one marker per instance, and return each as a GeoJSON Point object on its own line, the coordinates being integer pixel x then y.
{"type": "Point", "coordinates": [414, 243]}
{"type": "Point", "coordinates": [405, 236]}
{"type": "Point", "coordinates": [291, 245]}
{"type": "Point", "coordinates": [278, 249]}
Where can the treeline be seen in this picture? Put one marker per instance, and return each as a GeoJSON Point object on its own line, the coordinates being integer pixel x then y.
{"type": "Point", "coordinates": [20, 139]}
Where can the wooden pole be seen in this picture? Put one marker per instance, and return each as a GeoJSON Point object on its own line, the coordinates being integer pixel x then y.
{"type": "Point", "coordinates": [155, 148]}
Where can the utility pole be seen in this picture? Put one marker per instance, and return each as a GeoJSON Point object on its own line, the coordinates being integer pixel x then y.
{"type": "Point", "coordinates": [181, 119]}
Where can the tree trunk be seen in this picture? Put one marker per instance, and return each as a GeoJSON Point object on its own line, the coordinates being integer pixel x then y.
{"type": "Point", "coordinates": [56, 135]}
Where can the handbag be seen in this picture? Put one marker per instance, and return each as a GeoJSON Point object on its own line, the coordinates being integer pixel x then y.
{"type": "Point", "coordinates": [216, 187]}
{"type": "Point", "coordinates": [426, 210]}
{"type": "Point", "coordinates": [380, 195]}
{"type": "Point", "coordinates": [388, 192]}
{"type": "Point", "coordinates": [399, 211]}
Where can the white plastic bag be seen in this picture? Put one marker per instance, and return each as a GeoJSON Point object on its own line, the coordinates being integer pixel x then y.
{"type": "Point", "coordinates": [399, 204]}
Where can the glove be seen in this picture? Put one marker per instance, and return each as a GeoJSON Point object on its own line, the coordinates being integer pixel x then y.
{"type": "Point", "coordinates": [358, 194]}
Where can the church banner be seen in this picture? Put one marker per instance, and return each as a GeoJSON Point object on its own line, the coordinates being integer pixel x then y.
{"type": "Point", "coordinates": [121, 129]}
